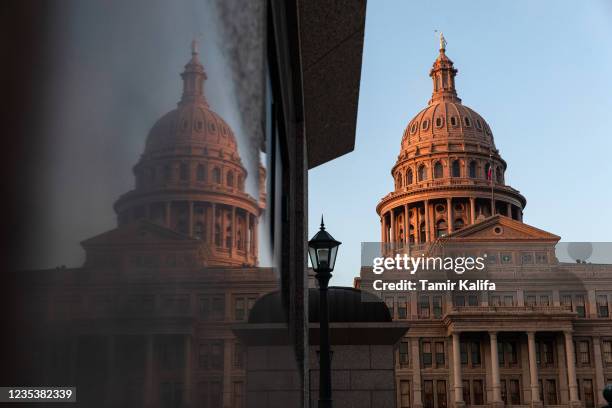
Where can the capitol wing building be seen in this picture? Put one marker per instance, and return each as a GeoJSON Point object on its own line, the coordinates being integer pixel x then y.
{"type": "Point", "coordinates": [543, 337]}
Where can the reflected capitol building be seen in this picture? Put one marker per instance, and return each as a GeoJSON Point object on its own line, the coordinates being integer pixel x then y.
{"type": "Point", "coordinates": [544, 337]}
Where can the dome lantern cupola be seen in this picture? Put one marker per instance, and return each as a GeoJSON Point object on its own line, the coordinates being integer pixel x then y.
{"type": "Point", "coordinates": [443, 75]}
{"type": "Point", "coordinates": [193, 78]}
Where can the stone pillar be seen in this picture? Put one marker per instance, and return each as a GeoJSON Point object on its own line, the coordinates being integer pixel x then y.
{"type": "Point", "coordinates": [255, 237]}
{"type": "Point", "coordinates": [213, 216]}
{"type": "Point", "coordinates": [393, 226]}
{"type": "Point", "coordinates": [148, 388]}
{"type": "Point", "coordinates": [449, 214]}
{"type": "Point", "coordinates": [227, 374]}
{"type": "Point", "coordinates": [383, 225]}
{"type": "Point", "coordinates": [188, 388]}
{"type": "Point", "coordinates": [427, 220]}
{"type": "Point", "coordinates": [509, 209]}
{"type": "Point", "coordinates": [571, 369]}
{"type": "Point", "coordinates": [497, 400]}
{"type": "Point", "coordinates": [167, 213]}
{"type": "Point", "coordinates": [417, 400]}
{"type": "Point", "coordinates": [233, 232]}
{"type": "Point", "coordinates": [457, 381]}
{"type": "Point", "coordinates": [418, 225]}
{"type": "Point", "coordinates": [247, 237]}
{"type": "Point", "coordinates": [533, 370]}
{"type": "Point", "coordinates": [190, 218]}
{"type": "Point", "coordinates": [472, 210]}
{"type": "Point", "coordinates": [406, 225]}
{"type": "Point", "coordinates": [599, 375]}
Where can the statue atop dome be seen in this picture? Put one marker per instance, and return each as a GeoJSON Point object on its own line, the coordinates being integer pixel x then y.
{"type": "Point", "coordinates": [442, 42]}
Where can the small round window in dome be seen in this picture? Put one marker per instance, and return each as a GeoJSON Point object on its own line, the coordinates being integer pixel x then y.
{"type": "Point", "coordinates": [440, 208]}
{"type": "Point", "coordinates": [467, 122]}
{"type": "Point", "coordinates": [439, 121]}
{"type": "Point", "coordinates": [413, 128]}
{"type": "Point", "coordinates": [425, 125]}
{"type": "Point", "coordinates": [498, 230]}
{"type": "Point", "coordinates": [453, 121]}
{"type": "Point", "coordinates": [478, 124]}
{"type": "Point", "coordinates": [459, 207]}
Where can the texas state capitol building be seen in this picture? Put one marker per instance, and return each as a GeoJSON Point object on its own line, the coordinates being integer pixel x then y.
{"type": "Point", "coordinates": [544, 337]}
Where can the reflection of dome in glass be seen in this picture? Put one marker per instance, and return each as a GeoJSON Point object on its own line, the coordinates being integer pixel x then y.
{"type": "Point", "coordinates": [191, 179]}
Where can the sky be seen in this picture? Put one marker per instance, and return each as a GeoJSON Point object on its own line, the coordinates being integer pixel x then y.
{"type": "Point", "coordinates": [538, 72]}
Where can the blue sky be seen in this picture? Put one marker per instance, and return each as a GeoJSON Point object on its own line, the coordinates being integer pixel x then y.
{"type": "Point", "coordinates": [538, 72]}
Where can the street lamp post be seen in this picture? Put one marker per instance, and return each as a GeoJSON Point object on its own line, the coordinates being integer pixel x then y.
{"type": "Point", "coordinates": [322, 249]}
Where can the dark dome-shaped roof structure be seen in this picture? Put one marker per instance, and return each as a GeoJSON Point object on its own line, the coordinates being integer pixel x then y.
{"type": "Point", "coordinates": [345, 305]}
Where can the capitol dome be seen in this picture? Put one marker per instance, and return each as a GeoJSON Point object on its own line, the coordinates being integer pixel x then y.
{"type": "Point", "coordinates": [448, 173]}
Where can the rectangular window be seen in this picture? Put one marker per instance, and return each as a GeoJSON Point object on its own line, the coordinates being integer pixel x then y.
{"type": "Point", "coordinates": [548, 353]}
{"type": "Point", "coordinates": [472, 300]}
{"type": "Point", "coordinates": [238, 355]}
{"type": "Point", "coordinates": [504, 394]}
{"type": "Point", "coordinates": [427, 358]}
{"type": "Point", "coordinates": [501, 354]}
{"type": "Point", "coordinates": [580, 309]}
{"type": "Point", "coordinates": [530, 300]}
{"type": "Point", "coordinates": [402, 307]}
{"type": "Point", "coordinates": [495, 300]}
{"type": "Point", "coordinates": [551, 392]}
{"type": "Point", "coordinates": [389, 301]}
{"type": "Point", "coordinates": [238, 395]}
{"type": "Point", "coordinates": [424, 307]}
{"type": "Point", "coordinates": [239, 312]}
{"type": "Point", "coordinates": [587, 392]}
{"type": "Point", "coordinates": [428, 396]}
{"type": "Point", "coordinates": [440, 354]}
{"type": "Point", "coordinates": [508, 300]}
{"type": "Point", "coordinates": [403, 354]}
{"type": "Point", "coordinates": [463, 351]}
{"type": "Point", "coordinates": [512, 353]}
{"type": "Point", "coordinates": [602, 306]}
{"type": "Point", "coordinates": [459, 301]}
{"type": "Point", "coordinates": [466, 392]}
{"type": "Point", "coordinates": [404, 394]}
{"type": "Point", "coordinates": [515, 392]}
{"type": "Point", "coordinates": [478, 392]}
{"type": "Point", "coordinates": [585, 355]}
{"type": "Point", "coordinates": [606, 347]}
{"type": "Point", "coordinates": [441, 393]}
{"type": "Point", "coordinates": [475, 354]}
{"type": "Point", "coordinates": [437, 306]}
{"type": "Point", "coordinates": [171, 394]}
{"type": "Point", "coordinates": [243, 305]}
{"type": "Point", "coordinates": [544, 300]}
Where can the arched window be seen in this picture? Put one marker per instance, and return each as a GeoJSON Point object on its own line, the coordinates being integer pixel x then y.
{"type": "Point", "coordinates": [422, 234]}
{"type": "Point", "coordinates": [458, 224]}
{"type": "Point", "coordinates": [472, 169]}
{"type": "Point", "coordinates": [198, 230]}
{"type": "Point", "coordinates": [439, 121]}
{"type": "Point", "coordinates": [456, 169]}
{"type": "Point", "coordinates": [453, 121]}
{"type": "Point", "coordinates": [422, 173]}
{"type": "Point", "coordinates": [425, 124]}
{"type": "Point", "coordinates": [467, 122]}
{"type": "Point", "coordinates": [201, 172]}
{"type": "Point", "coordinates": [217, 175]}
{"type": "Point", "coordinates": [230, 178]}
{"type": "Point", "coordinates": [184, 171]}
{"type": "Point", "coordinates": [409, 177]}
{"type": "Point", "coordinates": [438, 170]}
{"type": "Point", "coordinates": [228, 231]}
{"type": "Point", "coordinates": [441, 228]}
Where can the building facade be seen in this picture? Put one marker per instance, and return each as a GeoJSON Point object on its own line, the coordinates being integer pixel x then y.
{"type": "Point", "coordinates": [543, 337]}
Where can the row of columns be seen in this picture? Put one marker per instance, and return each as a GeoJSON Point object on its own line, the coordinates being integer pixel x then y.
{"type": "Point", "coordinates": [390, 227]}
{"type": "Point", "coordinates": [495, 377]}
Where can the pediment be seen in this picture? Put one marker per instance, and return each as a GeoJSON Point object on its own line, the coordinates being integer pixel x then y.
{"type": "Point", "coordinates": [136, 233]}
{"type": "Point", "coordinates": [502, 228]}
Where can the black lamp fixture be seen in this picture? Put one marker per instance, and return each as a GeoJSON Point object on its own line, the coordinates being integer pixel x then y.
{"type": "Point", "coordinates": [322, 249]}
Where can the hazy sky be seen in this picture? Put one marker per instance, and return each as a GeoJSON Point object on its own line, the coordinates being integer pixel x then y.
{"type": "Point", "coordinates": [538, 72]}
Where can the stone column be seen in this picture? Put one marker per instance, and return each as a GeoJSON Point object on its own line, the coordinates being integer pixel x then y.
{"type": "Point", "coordinates": [227, 374]}
{"type": "Point", "coordinates": [458, 382]}
{"type": "Point", "coordinates": [449, 215]}
{"type": "Point", "coordinates": [509, 209]}
{"type": "Point", "coordinates": [418, 225]}
{"type": "Point", "coordinates": [417, 400]}
{"type": "Point", "coordinates": [406, 225]}
{"type": "Point", "coordinates": [190, 218]}
{"type": "Point", "coordinates": [427, 233]}
{"type": "Point", "coordinates": [233, 232]}
{"type": "Point", "coordinates": [148, 398]}
{"type": "Point", "coordinates": [599, 375]}
{"type": "Point", "coordinates": [472, 210]}
{"type": "Point", "coordinates": [533, 370]}
{"type": "Point", "coordinates": [255, 237]}
{"type": "Point", "coordinates": [393, 226]}
{"type": "Point", "coordinates": [213, 216]}
{"type": "Point", "coordinates": [497, 400]}
{"type": "Point", "coordinates": [167, 214]}
{"type": "Point", "coordinates": [383, 224]}
{"type": "Point", "coordinates": [571, 369]}
{"type": "Point", "coordinates": [187, 391]}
